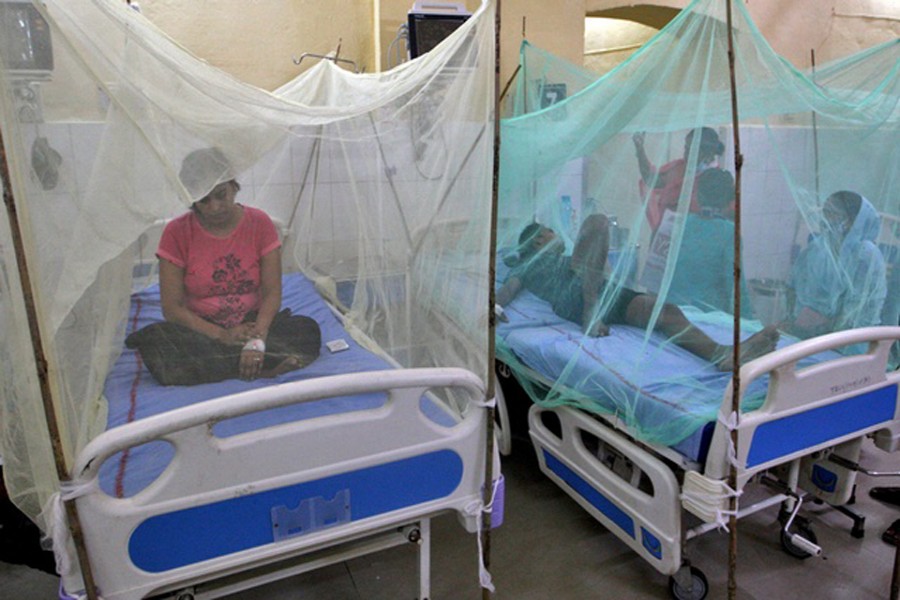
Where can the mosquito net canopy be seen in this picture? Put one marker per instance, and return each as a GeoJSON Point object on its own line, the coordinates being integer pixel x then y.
{"type": "Point", "coordinates": [379, 184]}
{"type": "Point", "coordinates": [863, 77]}
{"type": "Point", "coordinates": [616, 255]}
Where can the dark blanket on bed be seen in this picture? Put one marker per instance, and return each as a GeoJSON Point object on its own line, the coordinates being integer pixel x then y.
{"type": "Point", "coordinates": [177, 355]}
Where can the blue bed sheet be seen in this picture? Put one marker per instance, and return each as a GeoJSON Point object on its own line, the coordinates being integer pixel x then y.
{"type": "Point", "coordinates": [132, 393]}
{"type": "Point", "coordinates": [664, 394]}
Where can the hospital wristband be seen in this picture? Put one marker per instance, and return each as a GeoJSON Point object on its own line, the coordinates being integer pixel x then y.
{"type": "Point", "coordinates": [256, 344]}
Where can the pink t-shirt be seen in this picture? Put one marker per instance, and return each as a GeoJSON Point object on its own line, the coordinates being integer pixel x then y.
{"type": "Point", "coordinates": [221, 275]}
{"type": "Point", "coordinates": [666, 197]}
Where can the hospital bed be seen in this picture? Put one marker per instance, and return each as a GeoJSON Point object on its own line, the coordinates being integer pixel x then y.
{"type": "Point", "coordinates": [805, 411]}
{"type": "Point", "coordinates": [206, 490]}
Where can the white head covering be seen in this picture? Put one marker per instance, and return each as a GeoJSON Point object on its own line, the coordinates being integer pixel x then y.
{"type": "Point", "coordinates": [204, 169]}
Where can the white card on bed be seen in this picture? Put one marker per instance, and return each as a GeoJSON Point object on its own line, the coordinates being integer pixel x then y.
{"type": "Point", "coordinates": [337, 345]}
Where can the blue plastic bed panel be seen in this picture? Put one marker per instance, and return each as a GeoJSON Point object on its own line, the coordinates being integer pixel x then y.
{"type": "Point", "coordinates": [782, 437]}
{"type": "Point", "coordinates": [824, 479]}
{"type": "Point", "coordinates": [195, 534]}
{"type": "Point", "coordinates": [586, 491]}
{"type": "Point", "coordinates": [651, 543]}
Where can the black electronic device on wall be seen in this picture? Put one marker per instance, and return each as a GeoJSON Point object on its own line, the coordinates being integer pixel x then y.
{"type": "Point", "coordinates": [431, 22]}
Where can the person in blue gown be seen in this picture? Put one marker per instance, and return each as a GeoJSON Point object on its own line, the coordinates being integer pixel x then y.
{"type": "Point", "coordinates": [839, 278]}
{"type": "Point", "coordinates": [704, 272]}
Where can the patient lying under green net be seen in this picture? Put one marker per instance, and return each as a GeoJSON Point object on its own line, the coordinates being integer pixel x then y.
{"type": "Point", "coordinates": [576, 288]}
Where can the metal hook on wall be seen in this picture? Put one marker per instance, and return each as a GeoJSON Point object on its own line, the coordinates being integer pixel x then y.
{"type": "Point", "coordinates": [297, 61]}
{"type": "Point", "coordinates": [334, 58]}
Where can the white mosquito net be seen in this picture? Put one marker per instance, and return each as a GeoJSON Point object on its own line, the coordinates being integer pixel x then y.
{"type": "Point", "coordinates": [616, 217]}
{"type": "Point", "coordinates": [381, 184]}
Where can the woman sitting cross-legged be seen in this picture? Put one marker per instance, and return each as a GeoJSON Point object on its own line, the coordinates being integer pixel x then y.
{"type": "Point", "coordinates": [220, 289]}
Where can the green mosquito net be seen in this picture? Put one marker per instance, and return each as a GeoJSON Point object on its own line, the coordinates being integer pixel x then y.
{"type": "Point", "coordinates": [378, 185]}
{"type": "Point", "coordinates": [616, 230]}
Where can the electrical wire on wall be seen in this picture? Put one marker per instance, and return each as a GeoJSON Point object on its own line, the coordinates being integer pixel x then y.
{"type": "Point", "coordinates": [398, 51]}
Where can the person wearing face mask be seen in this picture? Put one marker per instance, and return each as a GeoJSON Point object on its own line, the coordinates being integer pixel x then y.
{"type": "Point", "coordinates": [665, 183]}
{"type": "Point", "coordinates": [839, 279]}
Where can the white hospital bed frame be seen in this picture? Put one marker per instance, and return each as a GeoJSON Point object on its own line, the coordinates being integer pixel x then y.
{"type": "Point", "coordinates": [207, 470]}
{"type": "Point", "coordinates": [638, 490]}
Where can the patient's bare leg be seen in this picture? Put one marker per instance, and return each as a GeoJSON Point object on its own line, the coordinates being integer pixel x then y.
{"type": "Point", "coordinates": [682, 332]}
{"type": "Point", "coordinates": [760, 343]}
{"type": "Point", "coordinates": [589, 261]}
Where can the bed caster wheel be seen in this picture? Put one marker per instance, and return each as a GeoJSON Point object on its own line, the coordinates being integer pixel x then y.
{"type": "Point", "coordinates": [413, 534]}
{"type": "Point", "coordinates": [801, 544]}
{"type": "Point", "coordinates": [688, 584]}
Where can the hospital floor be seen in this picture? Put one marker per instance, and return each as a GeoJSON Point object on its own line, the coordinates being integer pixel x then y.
{"type": "Point", "coordinates": [548, 548]}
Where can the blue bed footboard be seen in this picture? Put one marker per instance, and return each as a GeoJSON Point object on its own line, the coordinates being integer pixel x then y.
{"type": "Point", "coordinates": [182, 538]}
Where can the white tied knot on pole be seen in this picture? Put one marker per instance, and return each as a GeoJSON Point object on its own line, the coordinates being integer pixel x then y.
{"type": "Point", "coordinates": [476, 509]}
{"type": "Point", "coordinates": [54, 514]}
{"type": "Point", "coordinates": [731, 423]}
{"type": "Point", "coordinates": [492, 403]}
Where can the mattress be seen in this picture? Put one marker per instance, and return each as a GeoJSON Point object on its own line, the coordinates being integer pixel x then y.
{"type": "Point", "coordinates": [662, 393]}
{"type": "Point", "coordinates": [132, 393]}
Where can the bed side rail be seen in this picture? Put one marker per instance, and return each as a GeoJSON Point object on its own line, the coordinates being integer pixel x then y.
{"type": "Point", "coordinates": [165, 425]}
{"type": "Point", "coordinates": [810, 408]}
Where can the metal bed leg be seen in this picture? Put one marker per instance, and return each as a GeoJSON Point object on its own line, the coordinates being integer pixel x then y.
{"type": "Point", "coordinates": [790, 487]}
{"type": "Point", "coordinates": [895, 577]}
{"type": "Point", "coordinates": [793, 479]}
{"type": "Point", "coordinates": [424, 559]}
{"type": "Point", "coordinates": [859, 521]}
{"type": "Point", "coordinates": [688, 581]}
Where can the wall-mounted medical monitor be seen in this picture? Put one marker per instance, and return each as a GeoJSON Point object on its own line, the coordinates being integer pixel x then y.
{"type": "Point", "coordinates": [25, 46]}
{"type": "Point", "coordinates": [431, 22]}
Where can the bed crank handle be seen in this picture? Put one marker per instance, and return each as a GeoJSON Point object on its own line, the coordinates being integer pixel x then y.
{"type": "Point", "coordinates": [855, 466]}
